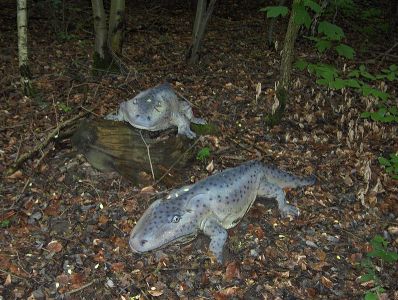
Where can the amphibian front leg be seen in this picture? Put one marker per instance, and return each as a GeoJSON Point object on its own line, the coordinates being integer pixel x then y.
{"type": "Point", "coordinates": [218, 235]}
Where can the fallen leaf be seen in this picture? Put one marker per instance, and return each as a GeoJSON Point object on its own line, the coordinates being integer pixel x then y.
{"type": "Point", "coordinates": [226, 293]}
{"type": "Point", "coordinates": [77, 278]}
{"type": "Point", "coordinates": [259, 232]}
{"type": "Point", "coordinates": [54, 246]}
{"type": "Point", "coordinates": [321, 255]}
{"type": "Point", "coordinates": [117, 267]}
{"type": "Point", "coordinates": [232, 271]}
{"type": "Point", "coordinates": [148, 190]}
{"type": "Point", "coordinates": [311, 292]}
{"type": "Point", "coordinates": [99, 257]}
{"type": "Point", "coordinates": [326, 282]}
{"type": "Point", "coordinates": [62, 279]}
{"type": "Point", "coordinates": [103, 219]}
{"type": "Point", "coordinates": [210, 167]}
{"type": "Point", "coordinates": [155, 293]}
{"type": "Point", "coordinates": [16, 175]}
{"type": "Point", "coordinates": [8, 280]}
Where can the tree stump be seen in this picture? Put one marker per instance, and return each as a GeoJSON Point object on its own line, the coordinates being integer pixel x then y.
{"type": "Point", "coordinates": [117, 146]}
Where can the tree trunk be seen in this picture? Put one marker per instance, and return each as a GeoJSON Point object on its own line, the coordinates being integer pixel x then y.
{"type": "Point", "coordinates": [282, 90]}
{"type": "Point", "coordinates": [116, 26]}
{"type": "Point", "coordinates": [203, 14]}
{"type": "Point", "coordinates": [22, 21]}
{"type": "Point", "coordinates": [102, 56]}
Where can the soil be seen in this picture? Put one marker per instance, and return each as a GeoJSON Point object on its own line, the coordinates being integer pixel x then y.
{"type": "Point", "coordinates": [65, 226]}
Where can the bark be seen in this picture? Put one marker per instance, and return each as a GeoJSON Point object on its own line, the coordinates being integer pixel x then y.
{"type": "Point", "coordinates": [116, 26]}
{"type": "Point", "coordinates": [282, 90]}
{"type": "Point", "coordinates": [22, 22]}
{"type": "Point", "coordinates": [102, 56]}
{"type": "Point", "coordinates": [117, 146]}
{"type": "Point", "coordinates": [203, 14]}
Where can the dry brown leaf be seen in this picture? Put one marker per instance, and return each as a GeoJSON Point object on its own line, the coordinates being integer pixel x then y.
{"type": "Point", "coordinates": [8, 280]}
{"type": "Point", "coordinates": [14, 269]}
{"type": "Point", "coordinates": [148, 190]}
{"type": "Point", "coordinates": [326, 282]}
{"type": "Point", "coordinates": [77, 278]}
{"type": "Point", "coordinates": [4, 262]}
{"type": "Point", "coordinates": [259, 232]}
{"type": "Point", "coordinates": [321, 255]}
{"type": "Point", "coordinates": [210, 167]}
{"type": "Point", "coordinates": [226, 293]}
{"type": "Point", "coordinates": [62, 279]}
{"type": "Point", "coordinates": [103, 219]}
{"type": "Point", "coordinates": [319, 266]}
{"type": "Point", "coordinates": [52, 209]}
{"type": "Point", "coordinates": [99, 257]}
{"type": "Point", "coordinates": [54, 246]}
{"type": "Point", "coordinates": [155, 293]}
{"type": "Point", "coordinates": [232, 271]}
{"type": "Point", "coordinates": [117, 267]}
{"type": "Point", "coordinates": [311, 292]}
{"type": "Point", "coordinates": [16, 175]}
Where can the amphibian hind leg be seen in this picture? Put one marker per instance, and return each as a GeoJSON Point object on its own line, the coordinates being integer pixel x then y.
{"type": "Point", "coordinates": [199, 121]}
{"type": "Point", "coordinates": [218, 235]}
{"type": "Point", "coordinates": [182, 124]}
{"type": "Point", "coordinates": [271, 190]}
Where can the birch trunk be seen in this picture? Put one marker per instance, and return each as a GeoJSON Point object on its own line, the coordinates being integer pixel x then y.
{"type": "Point", "coordinates": [282, 90]}
{"type": "Point", "coordinates": [102, 57]}
{"type": "Point", "coordinates": [22, 22]}
{"type": "Point", "coordinates": [203, 14]}
{"type": "Point", "coordinates": [116, 26]}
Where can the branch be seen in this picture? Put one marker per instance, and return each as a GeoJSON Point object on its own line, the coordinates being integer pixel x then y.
{"type": "Point", "coordinates": [43, 144]}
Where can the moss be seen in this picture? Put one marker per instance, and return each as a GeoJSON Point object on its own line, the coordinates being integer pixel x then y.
{"type": "Point", "coordinates": [205, 129]}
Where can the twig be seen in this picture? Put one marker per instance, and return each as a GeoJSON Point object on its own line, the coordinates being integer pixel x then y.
{"type": "Point", "coordinates": [383, 55]}
{"type": "Point", "coordinates": [46, 141]}
{"type": "Point", "coordinates": [19, 149]}
{"type": "Point", "coordinates": [15, 205]}
{"type": "Point", "coordinates": [89, 111]}
{"type": "Point", "coordinates": [80, 288]}
{"type": "Point", "coordinates": [44, 154]}
{"type": "Point", "coordinates": [12, 126]}
{"type": "Point", "coordinates": [149, 155]}
{"type": "Point", "coordinates": [12, 274]}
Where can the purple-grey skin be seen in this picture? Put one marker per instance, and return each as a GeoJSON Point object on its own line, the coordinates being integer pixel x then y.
{"type": "Point", "coordinates": [157, 108]}
{"type": "Point", "coordinates": [211, 206]}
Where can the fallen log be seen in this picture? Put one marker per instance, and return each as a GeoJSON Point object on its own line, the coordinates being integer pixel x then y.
{"type": "Point", "coordinates": [117, 146]}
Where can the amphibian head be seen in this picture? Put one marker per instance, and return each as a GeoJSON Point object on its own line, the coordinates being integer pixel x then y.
{"type": "Point", "coordinates": [163, 223]}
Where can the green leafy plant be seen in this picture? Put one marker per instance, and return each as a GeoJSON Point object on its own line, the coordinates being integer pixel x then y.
{"type": "Point", "coordinates": [390, 164]}
{"type": "Point", "coordinates": [391, 73]}
{"type": "Point", "coordinates": [275, 11]}
{"type": "Point", "coordinates": [4, 223]}
{"type": "Point", "coordinates": [64, 107]}
{"type": "Point", "coordinates": [330, 77]}
{"type": "Point", "coordinates": [203, 154]}
{"type": "Point", "coordinates": [330, 35]}
{"type": "Point", "coordinates": [384, 114]}
{"type": "Point", "coordinates": [379, 252]}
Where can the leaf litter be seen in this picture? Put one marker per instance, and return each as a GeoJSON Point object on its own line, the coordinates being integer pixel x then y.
{"type": "Point", "coordinates": [65, 226]}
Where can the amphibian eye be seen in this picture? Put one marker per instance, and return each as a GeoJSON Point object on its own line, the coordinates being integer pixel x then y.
{"type": "Point", "coordinates": [176, 219]}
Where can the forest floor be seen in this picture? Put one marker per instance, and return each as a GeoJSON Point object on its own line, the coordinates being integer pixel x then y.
{"type": "Point", "coordinates": [65, 226]}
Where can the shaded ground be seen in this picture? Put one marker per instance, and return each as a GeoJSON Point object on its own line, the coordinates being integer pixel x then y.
{"type": "Point", "coordinates": [69, 224]}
